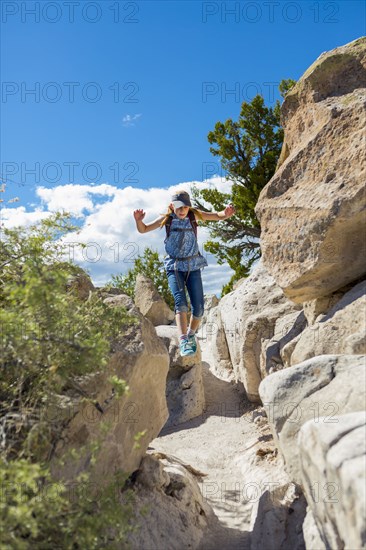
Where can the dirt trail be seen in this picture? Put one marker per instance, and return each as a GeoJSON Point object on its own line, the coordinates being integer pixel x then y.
{"type": "Point", "coordinates": [222, 443]}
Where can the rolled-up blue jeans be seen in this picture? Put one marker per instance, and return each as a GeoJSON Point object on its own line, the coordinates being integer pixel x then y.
{"type": "Point", "coordinates": [195, 290]}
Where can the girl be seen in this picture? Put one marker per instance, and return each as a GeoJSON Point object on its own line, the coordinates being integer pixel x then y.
{"type": "Point", "coordinates": [183, 262]}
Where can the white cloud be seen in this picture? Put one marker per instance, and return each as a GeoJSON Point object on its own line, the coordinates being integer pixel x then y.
{"type": "Point", "coordinates": [14, 217]}
{"type": "Point", "coordinates": [129, 120]}
{"type": "Point", "coordinates": [73, 197]}
{"type": "Point", "coordinates": [109, 229]}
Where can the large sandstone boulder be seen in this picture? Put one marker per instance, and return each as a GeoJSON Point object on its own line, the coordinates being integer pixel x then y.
{"type": "Point", "coordinates": [140, 358]}
{"type": "Point", "coordinates": [342, 330]}
{"type": "Point", "coordinates": [332, 459]}
{"type": "Point", "coordinates": [184, 385]}
{"type": "Point", "coordinates": [319, 388]}
{"type": "Point", "coordinates": [150, 303]}
{"type": "Point", "coordinates": [312, 212]}
{"type": "Point", "coordinates": [169, 506]}
{"type": "Point", "coordinates": [247, 327]}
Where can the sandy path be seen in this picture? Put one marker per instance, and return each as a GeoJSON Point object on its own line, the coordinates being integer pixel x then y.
{"type": "Point", "coordinates": [222, 443]}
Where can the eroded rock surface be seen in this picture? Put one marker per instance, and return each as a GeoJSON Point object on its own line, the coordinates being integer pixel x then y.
{"type": "Point", "coordinates": [177, 516]}
{"type": "Point", "coordinates": [247, 328]}
{"type": "Point", "coordinates": [341, 330]}
{"type": "Point", "coordinates": [184, 386]}
{"type": "Point", "coordinates": [333, 460]}
{"type": "Point", "coordinates": [140, 358]}
{"type": "Point", "coordinates": [312, 212]}
{"type": "Point", "coordinates": [150, 303]}
{"type": "Point", "coordinates": [320, 388]}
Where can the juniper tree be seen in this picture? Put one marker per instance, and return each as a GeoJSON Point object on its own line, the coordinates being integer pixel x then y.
{"type": "Point", "coordinates": [248, 150]}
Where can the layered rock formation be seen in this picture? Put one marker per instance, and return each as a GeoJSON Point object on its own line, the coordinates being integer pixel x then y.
{"type": "Point", "coordinates": [333, 477]}
{"type": "Point", "coordinates": [321, 389]}
{"type": "Point", "coordinates": [340, 330]}
{"type": "Point", "coordinates": [140, 358]}
{"type": "Point", "coordinates": [312, 212]}
{"type": "Point", "coordinates": [302, 305]}
{"type": "Point", "coordinates": [249, 327]}
{"type": "Point", "coordinates": [294, 333]}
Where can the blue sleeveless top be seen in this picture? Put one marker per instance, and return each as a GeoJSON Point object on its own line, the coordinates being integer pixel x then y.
{"type": "Point", "coordinates": [182, 243]}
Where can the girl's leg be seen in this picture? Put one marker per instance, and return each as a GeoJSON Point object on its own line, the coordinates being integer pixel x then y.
{"type": "Point", "coordinates": [194, 323]}
{"type": "Point", "coordinates": [195, 291]}
{"type": "Point", "coordinates": [180, 300]}
{"type": "Point", "coordinates": [181, 320]}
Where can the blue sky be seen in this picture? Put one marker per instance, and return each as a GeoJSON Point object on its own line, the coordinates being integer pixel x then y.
{"type": "Point", "coordinates": [150, 79]}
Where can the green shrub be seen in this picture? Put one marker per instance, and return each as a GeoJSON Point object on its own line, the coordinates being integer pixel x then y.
{"type": "Point", "coordinates": [37, 512]}
{"type": "Point", "coordinates": [49, 337]}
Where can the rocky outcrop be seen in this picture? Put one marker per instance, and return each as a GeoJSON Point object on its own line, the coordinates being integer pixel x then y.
{"type": "Point", "coordinates": [312, 212]}
{"type": "Point", "coordinates": [293, 332]}
{"type": "Point", "coordinates": [140, 358]}
{"type": "Point", "coordinates": [214, 333]}
{"type": "Point", "coordinates": [150, 303]}
{"type": "Point", "coordinates": [313, 220]}
{"type": "Point", "coordinates": [210, 301]}
{"type": "Point", "coordinates": [332, 459]}
{"type": "Point", "coordinates": [320, 388]}
{"type": "Point", "coordinates": [80, 284]}
{"type": "Point", "coordinates": [279, 515]}
{"type": "Point", "coordinates": [177, 514]}
{"type": "Point", "coordinates": [184, 386]}
{"type": "Point", "coordinates": [250, 325]}
{"type": "Point", "coordinates": [342, 329]}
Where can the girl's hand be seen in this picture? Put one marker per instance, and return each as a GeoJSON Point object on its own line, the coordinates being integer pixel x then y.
{"type": "Point", "coordinates": [139, 214]}
{"type": "Point", "coordinates": [229, 211]}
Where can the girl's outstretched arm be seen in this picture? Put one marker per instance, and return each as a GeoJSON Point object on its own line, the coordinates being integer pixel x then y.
{"type": "Point", "coordinates": [218, 216]}
{"type": "Point", "coordinates": [141, 226]}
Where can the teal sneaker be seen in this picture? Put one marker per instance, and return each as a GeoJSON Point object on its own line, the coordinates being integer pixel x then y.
{"type": "Point", "coordinates": [192, 342]}
{"type": "Point", "coordinates": [185, 348]}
